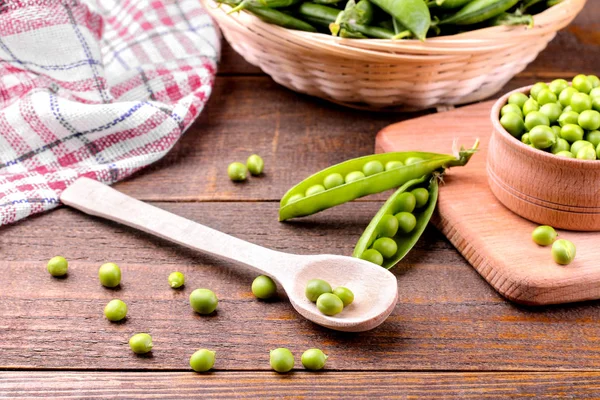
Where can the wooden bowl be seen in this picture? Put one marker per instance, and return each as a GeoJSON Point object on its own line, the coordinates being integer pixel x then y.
{"type": "Point", "coordinates": [539, 186]}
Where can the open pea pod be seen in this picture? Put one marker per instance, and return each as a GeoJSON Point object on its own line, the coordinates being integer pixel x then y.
{"type": "Point", "coordinates": [299, 201]}
{"type": "Point", "coordinates": [404, 241]}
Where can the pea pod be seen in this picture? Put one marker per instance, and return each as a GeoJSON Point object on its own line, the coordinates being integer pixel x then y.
{"type": "Point", "coordinates": [279, 18]}
{"type": "Point", "coordinates": [413, 14]}
{"type": "Point", "coordinates": [512, 19]}
{"type": "Point", "coordinates": [299, 201]}
{"type": "Point", "coordinates": [448, 4]}
{"type": "Point", "coordinates": [404, 242]}
{"type": "Point", "coordinates": [479, 11]}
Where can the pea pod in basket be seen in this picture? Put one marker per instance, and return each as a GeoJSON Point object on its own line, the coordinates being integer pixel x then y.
{"type": "Point", "coordinates": [362, 176]}
{"type": "Point", "coordinates": [399, 223]}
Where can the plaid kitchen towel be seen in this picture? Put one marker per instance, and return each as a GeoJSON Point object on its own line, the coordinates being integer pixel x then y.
{"type": "Point", "coordinates": [97, 88]}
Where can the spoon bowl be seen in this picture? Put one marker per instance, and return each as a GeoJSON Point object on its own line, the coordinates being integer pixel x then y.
{"type": "Point", "coordinates": [375, 288]}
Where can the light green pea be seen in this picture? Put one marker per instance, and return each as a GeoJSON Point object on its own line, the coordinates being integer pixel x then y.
{"type": "Point", "coordinates": [372, 168]}
{"type": "Point", "coordinates": [518, 99]}
{"type": "Point", "coordinates": [593, 137]}
{"type": "Point", "coordinates": [571, 133]}
{"type": "Point", "coordinates": [412, 160]}
{"type": "Point", "coordinates": [566, 95]}
{"type": "Point", "coordinates": [141, 343]}
{"type": "Point", "coordinates": [263, 287]}
{"type": "Point", "coordinates": [537, 88]}
{"type": "Point", "coordinates": [255, 164]}
{"type": "Point", "coordinates": [530, 106]}
{"type": "Point", "coordinates": [544, 235]}
{"type": "Point", "coordinates": [580, 144]}
{"type": "Point", "coordinates": [508, 108]}
{"type": "Point", "coordinates": [581, 102]}
{"type": "Point", "coordinates": [560, 145]}
{"type": "Point", "coordinates": [354, 176]}
{"type": "Point", "coordinates": [542, 137]}
{"type": "Point", "coordinates": [237, 171]}
{"type": "Point", "coordinates": [57, 266]}
{"type": "Point", "coordinates": [295, 197]}
{"type": "Point", "coordinates": [568, 117]}
{"type": "Point", "coordinates": [565, 154]}
{"type": "Point", "coordinates": [313, 359]}
{"type": "Point", "coordinates": [333, 180]}
{"type": "Point", "coordinates": [525, 139]}
{"type": "Point", "coordinates": [393, 165]}
{"type": "Point", "coordinates": [329, 304]}
{"type": "Point", "coordinates": [586, 153]}
{"type": "Point", "coordinates": [176, 280]}
{"type": "Point", "coordinates": [202, 360]}
{"type": "Point", "coordinates": [344, 294]}
{"type": "Point", "coordinates": [582, 83]}
{"type": "Point", "coordinates": [552, 111]}
{"type": "Point", "coordinates": [558, 85]}
{"type": "Point", "coordinates": [563, 251]}
{"type": "Point", "coordinates": [536, 118]}
{"type": "Point", "coordinates": [315, 288]}
{"type": "Point", "coordinates": [315, 189]}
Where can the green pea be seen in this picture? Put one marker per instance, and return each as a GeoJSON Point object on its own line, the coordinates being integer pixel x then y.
{"type": "Point", "coordinates": [571, 133]}
{"type": "Point", "coordinates": [176, 280]}
{"type": "Point", "coordinates": [393, 165]}
{"type": "Point", "coordinates": [563, 251]}
{"type": "Point", "coordinates": [586, 153]}
{"type": "Point", "coordinates": [581, 102]}
{"type": "Point", "coordinates": [329, 304]}
{"type": "Point", "coordinates": [388, 226]}
{"type": "Point", "coordinates": [372, 168]}
{"type": "Point", "coordinates": [315, 189]}
{"type": "Point", "coordinates": [141, 343]}
{"type": "Point", "coordinates": [582, 83]}
{"type": "Point", "coordinates": [313, 359]}
{"type": "Point", "coordinates": [568, 117]}
{"type": "Point", "coordinates": [57, 266]}
{"type": "Point", "coordinates": [333, 180]}
{"type": "Point", "coordinates": [558, 85]}
{"type": "Point", "coordinates": [530, 106]}
{"type": "Point", "coordinates": [255, 164]}
{"type": "Point", "coordinates": [373, 256]}
{"type": "Point", "coordinates": [115, 310]}
{"type": "Point", "coordinates": [294, 198]}
{"type": "Point", "coordinates": [202, 360]}
{"type": "Point", "coordinates": [568, 109]}
{"type": "Point", "coordinates": [344, 294]}
{"type": "Point", "coordinates": [412, 160]}
{"type": "Point", "coordinates": [406, 222]}
{"type": "Point", "coordinates": [580, 144]}
{"type": "Point", "coordinates": [237, 171]}
{"type": "Point", "coordinates": [386, 246]}
{"type": "Point", "coordinates": [525, 139]}
{"type": "Point", "coordinates": [594, 80]}
{"type": "Point", "coordinates": [421, 197]}
{"type": "Point", "coordinates": [203, 301]}
{"type": "Point", "coordinates": [546, 96]}
{"type": "Point", "coordinates": [109, 275]}
{"type": "Point", "coordinates": [552, 111]}
{"type": "Point", "coordinates": [513, 123]}
{"type": "Point", "coordinates": [542, 137]}
{"type": "Point", "coordinates": [544, 235]}
{"type": "Point", "coordinates": [595, 92]}
{"type": "Point", "coordinates": [565, 154]}
{"type": "Point", "coordinates": [589, 119]}
{"type": "Point", "coordinates": [593, 137]}
{"type": "Point", "coordinates": [282, 360]}
{"type": "Point", "coordinates": [596, 103]}
{"type": "Point", "coordinates": [405, 202]}
{"type": "Point", "coordinates": [536, 118]}
{"type": "Point", "coordinates": [315, 288]}
{"type": "Point", "coordinates": [560, 145]}
{"type": "Point", "coordinates": [263, 287]}
{"type": "Point", "coordinates": [354, 176]}
{"type": "Point", "coordinates": [537, 88]}
{"type": "Point", "coordinates": [556, 130]}
{"type": "Point", "coordinates": [508, 108]}
{"type": "Point", "coordinates": [518, 99]}
{"type": "Point", "coordinates": [566, 95]}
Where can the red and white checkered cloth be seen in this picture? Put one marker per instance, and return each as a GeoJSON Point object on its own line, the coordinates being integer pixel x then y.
{"type": "Point", "coordinates": [99, 89]}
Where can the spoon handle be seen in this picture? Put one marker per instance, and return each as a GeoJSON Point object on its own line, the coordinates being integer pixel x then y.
{"type": "Point", "coordinates": [97, 199]}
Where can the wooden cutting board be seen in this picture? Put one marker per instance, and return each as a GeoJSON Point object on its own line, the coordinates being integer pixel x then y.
{"type": "Point", "coordinates": [494, 240]}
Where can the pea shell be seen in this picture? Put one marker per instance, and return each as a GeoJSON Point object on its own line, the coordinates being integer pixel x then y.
{"type": "Point", "coordinates": [405, 242]}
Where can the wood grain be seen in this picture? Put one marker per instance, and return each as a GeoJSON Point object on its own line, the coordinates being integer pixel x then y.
{"type": "Point", "coordinates": [300, 384]}
{"type": "Point", "coordinates": [447, 317]}
{"type": "Point", "coordinates": [493, 239]}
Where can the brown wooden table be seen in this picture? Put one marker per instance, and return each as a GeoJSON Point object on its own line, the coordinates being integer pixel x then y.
{"type": "Point", "coordinates": [450, 335]}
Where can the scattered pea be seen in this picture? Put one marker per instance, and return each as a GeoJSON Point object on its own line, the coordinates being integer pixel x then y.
{"type": "Point", "coordinates": [563, 251]}
{"type": "Point", "coordinates": [333, 180]}
{"type": "Point", "coordinates": [421, 197]}
{"type": "Point", "coordinates": [176, 280]}
{"type": "Point", "coordinates": [313, 359]}
{"type": "Point", "coordinates": [202, 360]}
{"type": "Point", "coordinates": [373, 256]}
{"type": "Point", "coordinates": [237, 171]}
{"type": "Point", "coordinates": [393, 165]}
{"type": "Point", "coordinates": [263, 287]}
{"type": "Point", "coordinates": [406, 222]}
{"type": "Point", "coordinates": [314, 189]}
{"type": "Point", "coordinates": [345, 295]}
{"type": "Point", "coordinates": [115, 310]}
{"type": "Point", "coordinates": [141, 343]}
{"type": "Point", "coordinates": [109, 275]}
{"type": "Point", "coordinates": [544, 235]}
{"type": "Point", "coordinates": [388, 226]}
{"type": "Point", "coordinates": [282, 360]}
{"type": "Point", "coordinates": [386, 246]}
{"type": "Point", "coordinates": [329, 304]}
{"type": "Point", "coordinates": [372, 168]}
{"type": "Point", "coordinates": [255, 164]}
{"type": "Point", "coordinates": [354, 176]}
{"type": "Point", "coordinates": [57, 266]}
{"type": "Point", "coordinates": [315, 288]}
{"type": "Point", "coordinates": [203, 301]}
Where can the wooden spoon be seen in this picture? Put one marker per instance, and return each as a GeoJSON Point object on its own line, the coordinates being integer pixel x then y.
{"type": "Point", "coordinates": [375, 288]}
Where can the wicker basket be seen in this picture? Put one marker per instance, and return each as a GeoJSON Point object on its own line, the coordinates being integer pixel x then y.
{"type": "Point", "coordinates": [403, 74]}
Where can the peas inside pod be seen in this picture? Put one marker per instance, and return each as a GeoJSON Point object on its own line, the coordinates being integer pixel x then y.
{"type": "Point", "coordinates": [560, 118]}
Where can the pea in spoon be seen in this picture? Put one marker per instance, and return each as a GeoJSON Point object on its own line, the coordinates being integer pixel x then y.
{"type": "Point", "coordinates": [375, 288]}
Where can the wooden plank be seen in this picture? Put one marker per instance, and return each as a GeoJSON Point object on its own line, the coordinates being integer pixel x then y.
{"type": "Point", "coordinates": [301, 384]}
{"type": "Point", "coordinates": [447, 317]}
